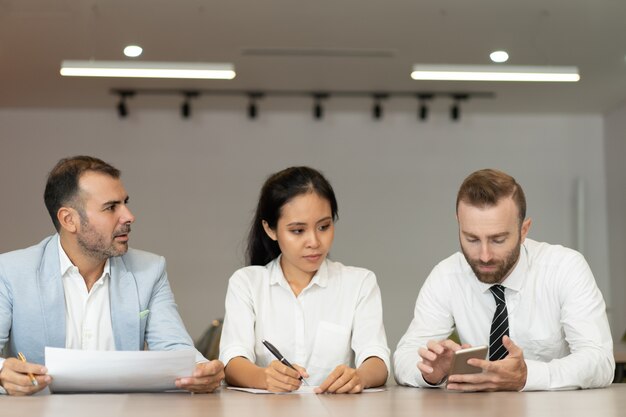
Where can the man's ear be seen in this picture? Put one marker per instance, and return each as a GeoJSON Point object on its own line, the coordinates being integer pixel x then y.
{"type": "Point", "coordinates": [69, 219]}
{"type": "Point", "coordinates": [269, 231]}
{"type": "Point", "coordinates": [525, 228]}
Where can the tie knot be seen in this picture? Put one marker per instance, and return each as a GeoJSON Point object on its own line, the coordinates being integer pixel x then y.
{"type": "Point", "coordinates": [498, 293]}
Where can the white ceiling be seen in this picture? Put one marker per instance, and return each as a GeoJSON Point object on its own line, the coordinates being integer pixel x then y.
{"type": "Point", "coordinates": [322, 45]}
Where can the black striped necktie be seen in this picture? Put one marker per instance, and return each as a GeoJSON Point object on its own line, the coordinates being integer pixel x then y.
{"type": "Point", "coordinates": [499, 325]}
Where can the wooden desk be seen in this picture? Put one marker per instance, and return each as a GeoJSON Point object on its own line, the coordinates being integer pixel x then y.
{"type": "Point", "coordinates": [402, 401]}
{"type": "Point", "coordinates": [395, 402]}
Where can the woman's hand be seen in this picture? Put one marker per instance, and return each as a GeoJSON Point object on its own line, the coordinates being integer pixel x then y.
{"type": "Point", "coordinates": [281, 378]}
{"type": "Point", "coordinates": [341, 380]}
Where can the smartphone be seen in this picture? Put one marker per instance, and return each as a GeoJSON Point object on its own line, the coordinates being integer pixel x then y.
{"type": "Point", "coordinates": [459, 360]}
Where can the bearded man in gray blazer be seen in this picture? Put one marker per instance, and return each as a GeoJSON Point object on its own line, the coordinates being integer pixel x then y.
{"type": "Point", "coordinates": [83, 288]}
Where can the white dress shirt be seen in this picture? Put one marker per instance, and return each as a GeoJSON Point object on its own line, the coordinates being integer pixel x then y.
{"type": "Point", "coordinates": [337, 319]}
{"type": "Point", "coordinates": [556, 315]}
{"type": "Point", "coordinates": [87, 313]}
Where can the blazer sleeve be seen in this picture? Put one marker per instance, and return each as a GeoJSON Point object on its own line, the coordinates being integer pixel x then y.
{"type": "Point", "coordinates": [165, 329]}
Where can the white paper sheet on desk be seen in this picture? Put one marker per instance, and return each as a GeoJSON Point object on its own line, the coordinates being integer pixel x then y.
{"type": "Point", "coordinates": [302, 390]}
{"type": "Point", "coordinates": [75, 370]}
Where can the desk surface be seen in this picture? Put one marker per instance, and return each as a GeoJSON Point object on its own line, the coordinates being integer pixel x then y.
{"type": "Point", "coordinates": [395, 402]}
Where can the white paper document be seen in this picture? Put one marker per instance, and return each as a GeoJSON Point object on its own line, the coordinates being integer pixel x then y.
{"type": "Point", "coordinates": [304, 389]}
{"type": "Point", "coordinates": [74, 370]}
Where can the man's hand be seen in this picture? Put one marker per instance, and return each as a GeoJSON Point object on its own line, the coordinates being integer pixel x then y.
{"type": "Point", "coordinates": [341, 380]}
{"type": "Point", "coordinates": [206, 377]}
{"type": "Point", "coordinates": [508, 374]}
{"type": "Point", "coordinates": [14, 377]}
{"type": "Point", "coordinates": [281, 378]}
{"type": "Point", "coordinates": [437, 359]}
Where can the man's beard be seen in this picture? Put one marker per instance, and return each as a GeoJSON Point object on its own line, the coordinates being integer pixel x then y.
{"type": "Point", "coordinates": [503, 267]}
{"type": "Point", "coordinates": [94, 244]}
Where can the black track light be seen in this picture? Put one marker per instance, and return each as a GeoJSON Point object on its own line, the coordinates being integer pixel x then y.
{"type": "Point", "coordinates": [253, 109]}
{"type": "Point", "coordinates": [122, 108]}
{"type": "Point", "coordinates": [185, 107]}
{"type": "Point", "coordinates": [455, 109]}
{"type": "Point", "coordinates": [318, 109]}
{"type": "Point", "coordinates": [377, 109]}
{"type": "Point", "coordinates": [423, 110]}
{"type": "Point", "coordinates": [455, 112]}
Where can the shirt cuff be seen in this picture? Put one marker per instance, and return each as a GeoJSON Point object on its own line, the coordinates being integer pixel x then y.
{"type": "Point", "coordinates": [537, 376]}
{"type": "Point", "coordinates": [419, 381]}
{"type": "Point", "coordinates": [422, 383]}
{"type": "Point", "coordinates": [382, 354]}
{"type": "Point", "coordinates": [228, 354]}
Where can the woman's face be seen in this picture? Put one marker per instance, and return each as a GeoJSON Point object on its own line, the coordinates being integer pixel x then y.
{"type": "Point", "coordinates": [304, 233]}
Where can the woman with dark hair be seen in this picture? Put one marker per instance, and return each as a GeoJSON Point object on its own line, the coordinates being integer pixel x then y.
{"type": "Point", "coordinates": [324, 317]}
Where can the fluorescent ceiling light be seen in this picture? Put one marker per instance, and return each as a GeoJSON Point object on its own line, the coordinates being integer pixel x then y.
{"type": "Point", "coordinates": [139, 69]}
{"type": "Point", "coordinates": [494, 73]}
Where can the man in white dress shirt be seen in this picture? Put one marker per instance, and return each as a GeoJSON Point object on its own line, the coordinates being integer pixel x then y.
{"type": "Point", "coordinates": [83, 288]}
{"type": "Point", "coordinates": [535, 305]}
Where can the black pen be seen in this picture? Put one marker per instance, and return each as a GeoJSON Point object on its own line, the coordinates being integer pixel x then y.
{"type": "Point", "coordinates": [281, 358]}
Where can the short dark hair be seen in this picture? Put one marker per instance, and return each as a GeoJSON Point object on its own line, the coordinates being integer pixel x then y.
{"type": "Point", "coordinates": [278, 190]}
{"type": "Point", "coordinates": [62, 184]}
{"type": "Point", "coordinates": [486, 187]}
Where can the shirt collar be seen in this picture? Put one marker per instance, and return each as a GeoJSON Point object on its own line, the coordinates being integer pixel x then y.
{"type": "Point", "coordinates": [67, 265]}
{"type": "Point", "coordinates": [277, 277]}
{"type": "Point", "coordinates": [515, 280]}
{"type": "Point", "coordinates": [321, 276]}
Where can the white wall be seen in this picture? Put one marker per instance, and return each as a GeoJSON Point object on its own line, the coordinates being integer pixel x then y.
{"type": "Point", "coordinates": [194, 184]}
{"type": "Point", "coordinates": [615, 145]}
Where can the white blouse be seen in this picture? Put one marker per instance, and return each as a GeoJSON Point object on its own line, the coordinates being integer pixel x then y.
{"type": "Point", "coordinates": [337, 319]}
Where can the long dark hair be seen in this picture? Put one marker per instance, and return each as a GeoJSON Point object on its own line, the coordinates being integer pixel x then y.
{"type": "Point", "coordinates": [279, 189]}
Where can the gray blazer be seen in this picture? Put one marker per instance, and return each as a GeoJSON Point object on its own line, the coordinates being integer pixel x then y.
{"type": "Point", "coordinates": [32, 303]}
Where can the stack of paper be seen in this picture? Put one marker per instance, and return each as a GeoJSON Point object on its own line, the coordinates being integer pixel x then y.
{"type": "Point", "coordinates": [117, 371]}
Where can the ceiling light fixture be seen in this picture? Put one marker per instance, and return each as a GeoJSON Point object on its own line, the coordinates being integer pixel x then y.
{"type": "Point", "coordinates": [139, 69]}
{"type": "Point", "coordinates": [455, 109]}
{"type": "Point", "coordinates": [318, 109]}
{"type": "Point", "coordinates": [253, 110]}
{"type": "Point", "coordinates": [499, 56]}
{"type": "Point", "coordinates": [133, 51]}
{"type": "Point", "coordinates": [494, 73]}
{"type": "Point", "coordinates": [185, 107]}
{"type": "Point", "coordinates": [377, 109]}
{"type": "Point", "coordinates": [423, 110]}
{"type": "Point", "coordinates": [425, 98]}
{"type": "Point", "coordinates": [122, 109]}
{"type": "Point", "coordinates": [455, 112]}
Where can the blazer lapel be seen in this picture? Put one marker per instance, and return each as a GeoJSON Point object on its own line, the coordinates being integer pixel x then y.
{"type": "Point", "coordinates": [124, 306]}
{"type": "Point", "coordinates": [52, 295]}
